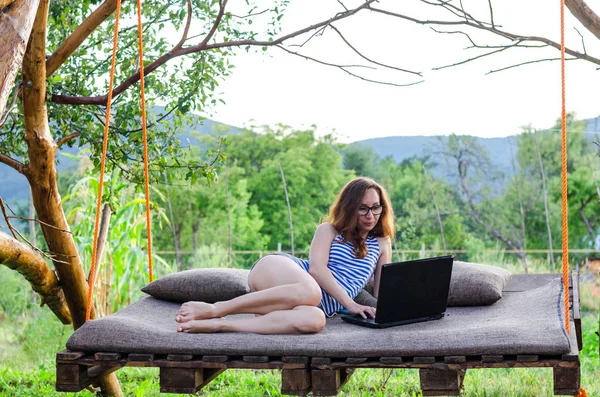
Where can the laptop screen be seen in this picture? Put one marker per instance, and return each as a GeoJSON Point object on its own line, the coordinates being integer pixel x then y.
{"type": "Point", "coordinates": [414, 289]}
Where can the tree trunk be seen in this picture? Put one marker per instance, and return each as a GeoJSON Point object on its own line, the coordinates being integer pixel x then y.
{"type": "Point", "coordinates": [41, 174]}
{"type": "Point", "coordinates": [545, 192]}
{"type": "Point", "coordinates": [15, 26]}
{"type": "Point", "coordinates": [177, 242]}
{"type": "Point", "coordinates": [195, 229]}
{"type": "Point", "coordinates": [33, 267]}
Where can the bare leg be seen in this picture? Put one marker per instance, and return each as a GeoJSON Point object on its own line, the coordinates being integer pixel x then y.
{"type": "Point", "coordinates": [301, 319]}
{"type": "Point", "coordinates": [279, 284]}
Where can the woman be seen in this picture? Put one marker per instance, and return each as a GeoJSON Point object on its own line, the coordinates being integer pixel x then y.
{"type": "Point", "coordinates": [291, 295]}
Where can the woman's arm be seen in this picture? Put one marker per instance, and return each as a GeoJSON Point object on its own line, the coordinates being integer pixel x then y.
{"type": "Point", "coordinates": [319, 257]}
{"type": "Point", "coordinates": [385, 256]}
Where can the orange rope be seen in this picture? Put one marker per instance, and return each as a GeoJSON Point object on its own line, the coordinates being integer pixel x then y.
{"type": "Point", "coordinates": [582, 393]}
{"type": "Point", "coordinates": [565, 213]}
{"type": "Point", "coordinates": [88, 309]}
{"type": "Point", "coordinates": [146, 183]}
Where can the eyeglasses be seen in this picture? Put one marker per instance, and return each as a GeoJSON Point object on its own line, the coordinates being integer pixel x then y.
{"type": "Point", "coordinates": [375, 210]}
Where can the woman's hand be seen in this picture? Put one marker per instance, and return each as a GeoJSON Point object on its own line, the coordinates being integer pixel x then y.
{"type": "Point", "coordinates": [363, 311]}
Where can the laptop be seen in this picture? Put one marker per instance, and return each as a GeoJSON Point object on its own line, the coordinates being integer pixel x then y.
{"type": "Point", "coordinates": [410, 292]}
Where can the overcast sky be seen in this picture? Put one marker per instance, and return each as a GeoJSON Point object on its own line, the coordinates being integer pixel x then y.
{"type": "Point", "coordinates": [275, 87]}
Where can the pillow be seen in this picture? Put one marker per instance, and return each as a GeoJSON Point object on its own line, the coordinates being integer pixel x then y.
{"type": "Point", "coordinates": [472, 284]}
{"type": "Point", "coordinates": [207, 285]}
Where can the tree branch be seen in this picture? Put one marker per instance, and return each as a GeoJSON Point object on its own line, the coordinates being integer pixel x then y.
{"type": "Point", "coordinates": [585, 15]}
{"type": "Point", "coordinates": [179, 51]}
{"type": "Point", "coordinates": [218, 19]}
{"type": "Point", "coordinates": [16, 165]}
{"type": "Point", "coordinates": [343, 67]}
{"type": "Point", "coordinates": [5, 3]}
{"type": "Point", "coordinates": [66, 139]}
{"type": "Point", "coordinates": [31, 265]}
{"type": "Point", "coordinates": [494, 30]}
{"type": "Point", "coordinates": [68, 47]}
{"type": "Point", "coordinates": [370, 60]}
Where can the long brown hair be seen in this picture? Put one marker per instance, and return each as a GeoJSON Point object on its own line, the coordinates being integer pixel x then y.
{"type": "Point", "coordinates": [343, 214]}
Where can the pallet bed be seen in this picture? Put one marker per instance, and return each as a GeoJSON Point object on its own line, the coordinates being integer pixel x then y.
{"type": "Point", "coordinates": [324, 375]}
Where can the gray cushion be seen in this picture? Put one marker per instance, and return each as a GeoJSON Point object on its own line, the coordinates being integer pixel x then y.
{"type": "Point", "coordinates": [472, 284]}
{"type": "Point", "coordinates": [207, 285]}
{"type": "Point", "coordinates": [528, 322]}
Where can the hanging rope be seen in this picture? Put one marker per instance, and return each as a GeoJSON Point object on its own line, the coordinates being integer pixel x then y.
{"type": "Point", "coordinates": [88, 309]}
{"type": "Point", "coordinates": [565, 211]}
{"type": "Point", "coordinates": [104, 149]}
{"type": "Point", "coordinates": [145, 135]}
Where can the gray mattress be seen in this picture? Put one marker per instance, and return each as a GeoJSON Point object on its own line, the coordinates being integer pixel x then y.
{"type": "Point", "coordinates": [528, 322]}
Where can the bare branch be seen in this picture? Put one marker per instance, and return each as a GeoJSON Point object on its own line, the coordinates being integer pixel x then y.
{"type": "Point", "coordinates": [13, 101]}
{"type": "Point", "coordinates": [527, 63]}
{"type": "Point", "coordinates": [494, 30]}
{"type": "Point", "coordinates": [68, 47]}
{"type": "Point", "coordinates": [578, 32]}
{"type": "Point", "coordinates": [343, 67]}
{"type": "Point", "coordinates": [491, 14]}
{"type": "Point", "coordinates": [342, 4]}
{"type": "Point", "coordinates": [66, 139]}
{"type": "Point", "coordinates": [474, 58]}
{"type": "Point", "coordinates": [10, 227]}
{"type": "Point", "coordinates": [249, 15]}
{"type": "Point", "coordinates": [370, 60]}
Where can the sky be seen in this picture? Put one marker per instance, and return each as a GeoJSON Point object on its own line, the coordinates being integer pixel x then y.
{"type": "Point", "coordinates": [275, 87]}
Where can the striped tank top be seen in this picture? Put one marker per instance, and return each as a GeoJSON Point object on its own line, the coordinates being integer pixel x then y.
{"type": "Point", "coordinates": [351, 273]}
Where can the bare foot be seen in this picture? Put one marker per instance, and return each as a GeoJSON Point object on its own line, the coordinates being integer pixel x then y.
{"type": "Point", "coordinates": [195, 311]}
{"type": "Point", "coordinates": [201, 326]}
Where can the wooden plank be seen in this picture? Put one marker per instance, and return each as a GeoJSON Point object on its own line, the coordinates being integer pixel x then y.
{"type": "Point", "coordinates": [441, 381]}
{"type": "Point", "coordinates": [566, 380]}
{"type": "Point", "coordinates": [424, 360]}
{"type": "Point", "coordinates": [492, 358]}
{"type": "Point", "coordinates": [68, 355]}
{"type": "Point", "coordinates": [326, 382]}
{"type": "Point", "coordinates": [297, 382]}
{"type": "Point", "coordinates": [107, 356]}
{"type": "Point", "coordinates": [455, 359]}
{"type": "Point", "coordinates": [319, 361]}
{"type": "Point", "coordinates": [391, 360]}
{"type": "Point", "coordinates": [295, 360]}
{"type": "Point", "coordinates": [140, 357]}
{"type": "Point", "coordinates": [186, 380]}
{"type": "Point", "coordinates": [255, 359]}
{"type": "Point", "coordinates": [215, 359]}
{"type": "Point", "coordinates": [355, 360]}
{"type": "Point", "coordinates": [179, 357]}
{"type": "Point", "coordinates": [527, 358]}
{"type": "Point", "coordinates": [71, 377]}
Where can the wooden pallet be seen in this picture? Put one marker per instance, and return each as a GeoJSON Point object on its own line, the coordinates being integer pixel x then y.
{"type": "Point", "coordinates": [324, 376]}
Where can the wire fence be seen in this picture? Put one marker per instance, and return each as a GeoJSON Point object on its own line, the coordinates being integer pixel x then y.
{"type": "Point", "coordinates": [542, 258]}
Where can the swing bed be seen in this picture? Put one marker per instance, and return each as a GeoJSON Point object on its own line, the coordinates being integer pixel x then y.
{"type": "Point", "coordinates": [522, 330]}
{"type": "Point", "coordinates": [529, 327]}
